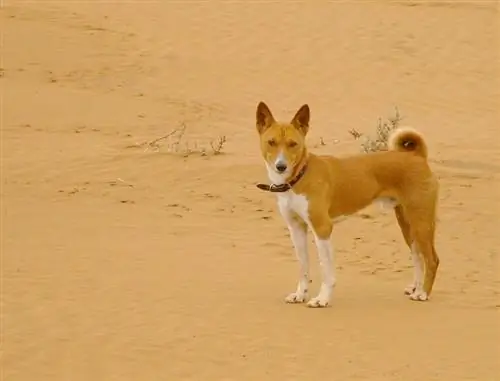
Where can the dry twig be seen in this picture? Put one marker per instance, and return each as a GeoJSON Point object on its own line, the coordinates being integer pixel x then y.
{"type": "Point", "coordinates": [154, 143]}
{"type": "Point", "coordinates": [177, 143]}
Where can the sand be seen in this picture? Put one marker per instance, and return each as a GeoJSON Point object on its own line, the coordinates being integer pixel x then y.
{"type": "Point", "coordinates": [126, 263]}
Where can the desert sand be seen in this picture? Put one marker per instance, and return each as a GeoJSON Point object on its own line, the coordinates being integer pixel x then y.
{"type": "Point", "coordinates": [128, 261]}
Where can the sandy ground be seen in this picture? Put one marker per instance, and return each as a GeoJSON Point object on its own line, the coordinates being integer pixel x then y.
{"type": "Point", "coordinates": [125, 264]}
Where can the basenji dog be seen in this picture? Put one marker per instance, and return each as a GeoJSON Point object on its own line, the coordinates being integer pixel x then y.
{"type": "Point", "coordinates": [315, 190]}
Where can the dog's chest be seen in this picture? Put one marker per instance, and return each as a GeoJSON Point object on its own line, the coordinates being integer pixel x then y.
{"type": "Point", "coordinates": [290, 203]}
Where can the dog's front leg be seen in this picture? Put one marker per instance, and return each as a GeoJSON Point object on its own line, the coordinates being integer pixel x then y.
{"type": "Point", "coordinates": [298, 234]}
{"type": "Point", "coordinates": [322, 228]}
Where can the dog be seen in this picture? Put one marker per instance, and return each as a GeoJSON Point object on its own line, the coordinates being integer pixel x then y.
{"type": "Point", "coordinates": [313, 191]}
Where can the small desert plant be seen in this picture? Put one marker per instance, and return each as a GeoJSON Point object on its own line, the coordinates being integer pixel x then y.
{"type": "Point", "coordinates": [218, 144]}
{"type": "Point", "coordinates": [176, 142]}
{"type": "Point", "coordinates": [384, 129]}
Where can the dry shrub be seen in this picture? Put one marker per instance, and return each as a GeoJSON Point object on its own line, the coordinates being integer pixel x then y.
{"type": "Point", "coordinates": [383, 130]}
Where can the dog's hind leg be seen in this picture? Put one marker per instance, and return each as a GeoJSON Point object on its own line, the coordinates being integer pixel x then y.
{"type": "Point", "coordinates": [423, 234]}
{"type": "Point", "coordinates": [430, 277]}
{"type": "Point", "coordinates": [431, 261]}
{"type": "Point", "coordinates": [415, 255]}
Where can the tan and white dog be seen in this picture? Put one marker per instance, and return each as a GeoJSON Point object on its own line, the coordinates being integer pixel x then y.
{"type": "Point", "coordinates": [313, 191]}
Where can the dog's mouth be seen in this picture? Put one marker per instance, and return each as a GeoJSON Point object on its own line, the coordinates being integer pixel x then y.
{"type": "Point", "coordinates": [276, 176]}
{"type": "Point", "coordinates": [282, 172]}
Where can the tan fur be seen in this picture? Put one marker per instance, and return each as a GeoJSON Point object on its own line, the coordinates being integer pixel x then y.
{"type": "Point", "coordinates": [337, 187]}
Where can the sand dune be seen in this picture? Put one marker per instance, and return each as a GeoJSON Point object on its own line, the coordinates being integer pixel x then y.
{"type": "Point", "coordinates": [121, 263]}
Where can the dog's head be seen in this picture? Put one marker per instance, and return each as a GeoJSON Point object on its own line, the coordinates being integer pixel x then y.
{"type": "Point", "coordinates": [283, 145]}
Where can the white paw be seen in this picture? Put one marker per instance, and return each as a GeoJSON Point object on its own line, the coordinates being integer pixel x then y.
{"type": "Point", "coordinates": [410, 289]}
{"type": "Point", "coordinates": [419, 295]}
{"type": "Point", "coordinates": [318, 302]}
{"type": "Point", "coordinates": [296, 297]}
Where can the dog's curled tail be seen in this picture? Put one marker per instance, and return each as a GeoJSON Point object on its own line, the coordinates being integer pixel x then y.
{"type": "Point", "coordinates": [407, 139]}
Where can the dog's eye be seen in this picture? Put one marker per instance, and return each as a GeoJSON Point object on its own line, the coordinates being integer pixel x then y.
{"type": "Point", "coordinates": [271, 142]}
{"type": "Point", "coordinates": [292, 144]}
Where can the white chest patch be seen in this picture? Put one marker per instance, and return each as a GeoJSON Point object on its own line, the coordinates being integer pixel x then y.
{"type": "Point", "coordinates": [289, 202]}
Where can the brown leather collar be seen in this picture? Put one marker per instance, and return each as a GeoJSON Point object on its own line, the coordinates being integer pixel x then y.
{"type": "Point", "coordinates": [275, 188]}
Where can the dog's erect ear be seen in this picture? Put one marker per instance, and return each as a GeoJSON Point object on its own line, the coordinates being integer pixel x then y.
{"type": "Point", "coordinates": [264, 117]}
{"type": "Point", "coordinates": [301, 119]}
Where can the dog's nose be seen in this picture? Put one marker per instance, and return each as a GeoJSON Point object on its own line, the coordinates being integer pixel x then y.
{"type": "Point", "coordinates": [281, 167]}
